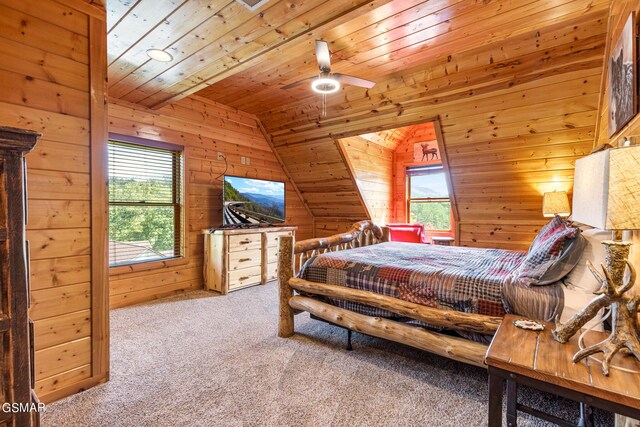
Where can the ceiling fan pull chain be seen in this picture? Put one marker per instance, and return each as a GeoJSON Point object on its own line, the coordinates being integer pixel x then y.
{"type": "Point", "coordinates": [324, 105]}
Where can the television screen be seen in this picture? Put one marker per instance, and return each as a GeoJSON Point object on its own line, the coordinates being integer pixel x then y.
{"type": "Point", "coordinates": [249, 201]}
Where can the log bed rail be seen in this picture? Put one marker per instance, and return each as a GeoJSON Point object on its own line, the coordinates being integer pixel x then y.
{"type": "Point", "coordinates": [365, 233]}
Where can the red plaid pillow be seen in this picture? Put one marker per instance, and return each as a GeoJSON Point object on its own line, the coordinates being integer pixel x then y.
{"type": "Point", "coordinates": [545, 250]}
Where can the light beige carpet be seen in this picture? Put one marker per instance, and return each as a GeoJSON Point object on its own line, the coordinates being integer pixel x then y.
{"type": "Point", "coordinates": [205, 360]}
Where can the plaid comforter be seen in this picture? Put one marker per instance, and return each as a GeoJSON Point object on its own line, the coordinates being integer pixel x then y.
{"type": "Point", "coordinates": [451, 278]}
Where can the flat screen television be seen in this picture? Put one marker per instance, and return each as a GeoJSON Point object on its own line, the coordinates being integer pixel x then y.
{"type": "Point", "coordinates": [248, 201]}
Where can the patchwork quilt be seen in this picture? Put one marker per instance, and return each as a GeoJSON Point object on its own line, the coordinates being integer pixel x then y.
{"type": "Point", "coordinates": [446, 277]}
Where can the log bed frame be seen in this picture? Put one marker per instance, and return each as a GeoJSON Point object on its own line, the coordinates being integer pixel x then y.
{"type": "Point", "coordinates": [365, 233]}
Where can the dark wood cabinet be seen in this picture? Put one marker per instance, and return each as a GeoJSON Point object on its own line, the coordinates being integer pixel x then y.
{"type": "Point", "coordinates": [16, 330]}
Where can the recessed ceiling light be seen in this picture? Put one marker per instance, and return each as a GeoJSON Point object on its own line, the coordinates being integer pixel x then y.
{"type": "Point", "coordinates": [159, 55]}
{"type": "Point", "coordinates": [325, 85]}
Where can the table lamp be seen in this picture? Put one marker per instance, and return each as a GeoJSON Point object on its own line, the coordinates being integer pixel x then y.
{"type": "Point", "coordinates": [555, 203]}
{"type": "Point", "coordinates": [606, 195]}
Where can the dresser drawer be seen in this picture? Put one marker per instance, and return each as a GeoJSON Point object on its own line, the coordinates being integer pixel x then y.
{"type": "Point", "coordinates": [244, 277]}
{"type": "Point", "coordinates": [244, 259]}
{"type": "Point", "coordinates": [272, 254]}
{"type": "Point", "coordinates": [272, 238]}
{"type": "Point", "coordinates": [272, 271]}
{"type": "Point", "coordinates": [245, 242]}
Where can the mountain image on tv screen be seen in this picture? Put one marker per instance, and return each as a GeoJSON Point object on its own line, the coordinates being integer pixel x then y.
{"type": "Point", "coordinates": [252, 201]}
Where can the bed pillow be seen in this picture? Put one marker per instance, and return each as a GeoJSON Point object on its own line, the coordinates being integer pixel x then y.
{"type": "Point", "coordinates": [545, 250]}
{"type": "Point", "coordinates": [580, 283]}
{"type": "Point", "coordinates": [566, 262]}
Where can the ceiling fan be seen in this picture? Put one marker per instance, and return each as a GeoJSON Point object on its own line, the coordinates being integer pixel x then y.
{"type": "Point", "coordinates": [327, 82]}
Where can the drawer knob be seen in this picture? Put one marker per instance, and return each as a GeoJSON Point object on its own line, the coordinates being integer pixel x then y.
{"type": "Point", "coordinates": [244, 259]}
{"type": "Point", "coordinates": [244, 242]}
{"type": "Point", "coordinates": [243, 278]}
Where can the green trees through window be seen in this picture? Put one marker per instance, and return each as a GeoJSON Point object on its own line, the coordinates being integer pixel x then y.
{"type": "Point", "coordinates": [144, 203]}
{"type": "Point", "coordinates": [434, 215]}
{"type": "Point", "coordinates": [428, 198]}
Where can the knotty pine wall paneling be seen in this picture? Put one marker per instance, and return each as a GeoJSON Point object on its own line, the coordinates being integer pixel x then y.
{"type": "Point", "coordinates": [372, 165]}
{"type": "Point", "coordinates": [515, 116]}
{"type": "Point", "coordinates": [51, 61]}
{"type": "Point", "coordinates": [321, 174]}
{"type": "Point", "coordinates": [204, 128]}
{"type": "Point", "coordinates": [403, 157]}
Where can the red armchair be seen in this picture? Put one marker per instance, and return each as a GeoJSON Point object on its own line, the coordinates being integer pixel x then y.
{"type": "Point", "coordinates": [412, 233]}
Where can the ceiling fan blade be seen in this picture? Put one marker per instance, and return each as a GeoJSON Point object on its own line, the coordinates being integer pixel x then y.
{"type": "Point", "coordinates": [323, 56]}
{"type": "Point", "coordinates": [298, 83]}
{"type": "Point", "coordinates": [354, 81]}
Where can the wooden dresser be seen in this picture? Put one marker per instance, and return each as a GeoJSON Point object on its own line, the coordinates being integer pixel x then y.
{"type": "Point", "coordinates": [239, 258]}
{"type": "Point", "coordinates": [16, 329]}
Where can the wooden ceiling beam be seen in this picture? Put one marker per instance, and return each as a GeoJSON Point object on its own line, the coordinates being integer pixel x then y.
{"type": "Point", "coordinates": [449, 46]}
{"type": "Point", "coordinates": [389, 116]}
{"type": "Point", "coordinates": [532, 91]}
{"type": "Point", "coordinates": [304, 33]}
{"type": "Point", "coordinates": [223, 46]}
{"type": "Point", "coordinates": [301, 59]}
{"type": "Point", "coordinates": [454, 88]}
{"type": "Point", "coordinates": [490, 57]}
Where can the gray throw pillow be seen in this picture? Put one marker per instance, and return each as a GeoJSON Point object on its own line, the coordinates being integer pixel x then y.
{"type": "Point", "coordinates": [568, 259]}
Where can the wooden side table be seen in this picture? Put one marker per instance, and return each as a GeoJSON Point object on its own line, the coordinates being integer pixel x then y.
{"type": "Point", "coordinates": [535, 359]}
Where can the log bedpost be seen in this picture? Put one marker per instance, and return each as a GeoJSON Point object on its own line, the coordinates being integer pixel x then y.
{"type": "Point", "coordinates": [386, 236]}
{"type": "Point", "coordinates": [285, 272]}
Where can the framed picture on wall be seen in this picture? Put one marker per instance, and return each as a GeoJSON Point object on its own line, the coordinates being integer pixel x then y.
{"type": "Point", "coordinates": [622, 82]}
{"type": "Point", "coordinates": [425, 151]}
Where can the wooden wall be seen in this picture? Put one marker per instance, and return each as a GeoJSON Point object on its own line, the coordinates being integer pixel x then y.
{"type": "Point", "coordinates": [320, 172]}
{"type": "Point", "coordinates": [378, 162]}
{"type": "Point", "coordinates": [204, 128]}
{"type": "Point", "coordinates": [515, 116]}
{"type": "Point", "coordinates": [50, 60]}
{"type": "Point", "coordinates": [403, 157]}
{"type": "Point", "coordinates": [372, 166]}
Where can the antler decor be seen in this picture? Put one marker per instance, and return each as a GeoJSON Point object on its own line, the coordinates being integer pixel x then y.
{"type": "Point", "coordinates": [625, 335]}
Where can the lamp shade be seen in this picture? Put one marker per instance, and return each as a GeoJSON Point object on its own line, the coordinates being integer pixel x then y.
{"type": "Point", "coordinates": [555, 203]}
{"type": "Point", "coordinates": [606, 189]}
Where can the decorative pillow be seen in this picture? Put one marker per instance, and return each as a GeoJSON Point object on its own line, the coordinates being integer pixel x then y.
{"type": "Point", "coordinates": [545, 250]}
{"type": "Point", "coordinates": [568, 259]}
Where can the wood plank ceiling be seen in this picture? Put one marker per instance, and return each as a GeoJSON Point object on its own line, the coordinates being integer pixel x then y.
{"type": "Point", "coordinates": [514, 82]}
{"type": "Point", "coordinates": [208, 39]}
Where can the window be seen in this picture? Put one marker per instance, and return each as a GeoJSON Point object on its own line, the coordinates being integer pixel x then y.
{"type": "Point", "coordinates": [145, 202]}
{"type": "Point", "coordinates": [428, 198]}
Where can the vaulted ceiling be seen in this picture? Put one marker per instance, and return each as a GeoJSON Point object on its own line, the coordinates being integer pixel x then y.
{"type": "Point", "coordinates": [210, 40]}
{"type": "Point", "coordinates": [514, 84]}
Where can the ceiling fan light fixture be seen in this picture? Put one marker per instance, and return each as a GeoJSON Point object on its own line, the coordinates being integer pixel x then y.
{"type": "Point", "coordinates": [159, 55]}
{"type": "Point", "coordinates": [325, 85]}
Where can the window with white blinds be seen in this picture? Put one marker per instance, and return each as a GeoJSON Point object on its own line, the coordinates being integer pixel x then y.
{"type": "Point", "coordinates": [428, 199]}
{"type": "Point", "coordinates": [145, 202]}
